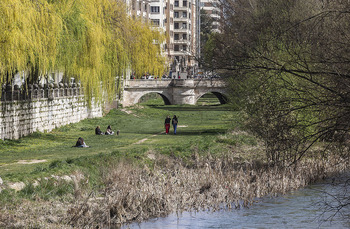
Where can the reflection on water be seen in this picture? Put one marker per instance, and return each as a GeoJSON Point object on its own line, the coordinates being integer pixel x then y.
{"type": "Point", "coordinates": [304, 208]}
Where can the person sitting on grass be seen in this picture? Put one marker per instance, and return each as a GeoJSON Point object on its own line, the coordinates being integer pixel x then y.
{"type": "Point", "coordinates": [109, 131]}
{"type": "Point", "coordinates": [81, 143]}
{"type": "Point", "coordinates": [98, 131]}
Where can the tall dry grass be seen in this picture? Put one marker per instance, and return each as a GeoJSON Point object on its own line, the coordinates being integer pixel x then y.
{"type": "Point", "coordinates": [137, 194]}
{"type": "Point", "coordinates": [132, 193]}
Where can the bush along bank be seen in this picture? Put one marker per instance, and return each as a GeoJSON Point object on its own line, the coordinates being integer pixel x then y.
{"type": "Point", "coordinates": [136, 193]}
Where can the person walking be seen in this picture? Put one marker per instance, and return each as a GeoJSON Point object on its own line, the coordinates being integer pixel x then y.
{"type": "Point", "coordinates": [174, 122]}
{"type": "Point", "coordinates": [167, 124]}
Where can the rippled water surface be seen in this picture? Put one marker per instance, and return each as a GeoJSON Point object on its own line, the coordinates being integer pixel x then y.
{"type": "Point", "coordinates": [304, 208]}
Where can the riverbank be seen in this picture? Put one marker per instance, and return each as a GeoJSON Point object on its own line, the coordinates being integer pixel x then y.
{"type": "Point", "coordinates": [211, 163]}
{"type": "Point", "coordinates": [132, 192]}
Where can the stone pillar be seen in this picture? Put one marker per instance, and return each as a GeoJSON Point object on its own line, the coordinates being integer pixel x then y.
{"type": "Point", "coordinates": [183, 92]}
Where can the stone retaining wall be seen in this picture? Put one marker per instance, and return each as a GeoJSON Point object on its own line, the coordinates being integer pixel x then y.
{"type": "Point", "coordinates": [42, 108]}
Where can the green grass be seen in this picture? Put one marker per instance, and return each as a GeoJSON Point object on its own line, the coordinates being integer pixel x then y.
{"type": "Point", "coordinates": [201, 128]}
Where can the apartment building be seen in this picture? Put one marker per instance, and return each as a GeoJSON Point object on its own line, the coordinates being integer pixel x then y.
{"type": "Point", "coordinates": [213, 9]}
{"type": "Point", "coordinates": [178, 19]}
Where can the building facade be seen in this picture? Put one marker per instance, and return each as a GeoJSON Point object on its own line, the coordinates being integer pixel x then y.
{"type": "Point", "coordinates": [178, 19]}
{"type": "Point", "coordinates": [213, 9]}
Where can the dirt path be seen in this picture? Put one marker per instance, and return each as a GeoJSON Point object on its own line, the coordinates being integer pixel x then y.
{"type": "Point", "coordinates": [145, 139]}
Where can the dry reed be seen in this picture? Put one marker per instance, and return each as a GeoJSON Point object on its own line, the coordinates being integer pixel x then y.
{"type": "Point", "coordinates": [137, 194]}
{"type": "Point", "coordinates": [134, 194]}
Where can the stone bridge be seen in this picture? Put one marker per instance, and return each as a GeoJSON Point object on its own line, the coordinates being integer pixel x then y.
{"type": "Point", "coordinates": [174, 91]}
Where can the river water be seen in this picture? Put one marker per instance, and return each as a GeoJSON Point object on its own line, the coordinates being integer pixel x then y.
{"type": "Point", "coordinates": [304, 208]}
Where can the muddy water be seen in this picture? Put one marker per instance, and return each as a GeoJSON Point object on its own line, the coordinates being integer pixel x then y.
{"type": "Point", "coordinates": [304, 208]}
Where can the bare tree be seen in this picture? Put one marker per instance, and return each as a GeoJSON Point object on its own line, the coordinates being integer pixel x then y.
{"type": "Point", "coordinates": [288, 64]}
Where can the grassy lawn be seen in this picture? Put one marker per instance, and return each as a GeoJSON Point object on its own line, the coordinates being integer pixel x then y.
{"type": "Point", "coordinates": [199, 129]}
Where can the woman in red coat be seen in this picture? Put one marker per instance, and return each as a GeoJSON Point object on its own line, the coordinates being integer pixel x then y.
{"type": "Point", "coordinates": [167, 124]}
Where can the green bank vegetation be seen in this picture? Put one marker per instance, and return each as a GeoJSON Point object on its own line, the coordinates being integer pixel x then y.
{"type": "Point", "coordinates": [202, 129]}
{"type": "Point", "coordinates": [143, 173]}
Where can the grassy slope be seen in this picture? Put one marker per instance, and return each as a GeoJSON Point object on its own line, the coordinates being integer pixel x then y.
{"type": "Point", "coordinates": [198, 129]}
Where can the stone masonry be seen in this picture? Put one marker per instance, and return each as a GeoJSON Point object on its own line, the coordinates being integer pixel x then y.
{"type": "Point", "coordinates": [174, 91]}
{"type": "Point", "coordinates": [42, 108]}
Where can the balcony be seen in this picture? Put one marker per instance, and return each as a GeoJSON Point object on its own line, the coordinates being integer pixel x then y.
{"type": "Point", "coordinates": [182, 19]}
{"type": "Point", "coordinates": [181, 30]}
{"type": "Point", "coordinates": [183, 8]}
{"type": "Point", "coordinates": [179, 53]}
{"type": "Point", "coordinates": [181, 41]}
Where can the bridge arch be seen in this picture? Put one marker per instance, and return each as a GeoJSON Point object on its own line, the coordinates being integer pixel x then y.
{"type": "Point", "coordinates": [173, 91]}
{"type": "Point", "coordinates": [163, 95]}
{"type": "Point", "coordinates": [222, 97]}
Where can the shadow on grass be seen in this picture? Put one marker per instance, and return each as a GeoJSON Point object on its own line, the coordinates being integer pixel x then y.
{"type": "Point", "coordinates": [217, 107]}
{"type": "Point", "coordinates": [193, 133]}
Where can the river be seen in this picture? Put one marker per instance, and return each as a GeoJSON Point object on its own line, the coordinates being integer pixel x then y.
{"type": "Point", "coordinates": [304, 208]}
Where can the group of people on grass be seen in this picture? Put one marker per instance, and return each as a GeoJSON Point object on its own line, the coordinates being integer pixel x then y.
{"type": "Point", "coordinates": [109, 131]}
{"type": "Point", "coordinates": [173, 121]}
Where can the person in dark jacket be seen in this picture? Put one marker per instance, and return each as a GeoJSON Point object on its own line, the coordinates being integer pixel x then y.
{"type": "Point", "coordinates": [174, 122]}
{"type": "Point", "coordinates": [80, 143]}
{"type": "Point", "coordinates": [98, 131]}
{"type": "Point", "coordinates": [167, 124]}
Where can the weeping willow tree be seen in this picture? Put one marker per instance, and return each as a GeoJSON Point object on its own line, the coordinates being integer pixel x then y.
{"type": "Point", "coordinates": [142, 37]}
{"type": "Point", "coordinates": [94, 41]}
{"type": "Point", "coordinates": [28, 37]}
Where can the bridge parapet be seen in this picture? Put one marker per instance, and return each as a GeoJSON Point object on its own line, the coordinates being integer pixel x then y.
{"type": "Point", "coordinates": [175, 83]}
{"type": "Point", "coordinates": [173, 91]}
{"type": "Point", "coordinates": [147, 83]}
{"type": "Point", "coordinates": [209, 83]}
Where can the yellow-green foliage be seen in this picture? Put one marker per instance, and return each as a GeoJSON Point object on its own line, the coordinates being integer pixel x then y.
{"type": "Point", "coordinates": [28, 35]}
{"type": "Point", "coordinates": [94, 41]}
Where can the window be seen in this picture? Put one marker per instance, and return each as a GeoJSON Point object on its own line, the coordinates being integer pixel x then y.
{"type": "Point", "coordinates": [184, 3]}
{"type": "Point", "coordinates": [155, 9]}
{"type": "Point", "coordinates": [184, 47]}
{"type": "Point", "coordinates": [176, 25]}
{"type": "Point", "coordinates": [176, 14]}
{"type": "Point", "coordinates": [165, 21]}
{"type": "Point", "coordinates": [184, 36]}
{"type": "Point", "coordinates": [184, 14]}
{"type": "Point", "coordinates": [184, 26]}
{"type": "Point", "coordinates": [176, 48]}
{"type": "Point", "coordinates": [176, 3]}
{"type": "Point", "coordinates": [155, 22]}
{"type": "Point", "coordinates": [176, 36]}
